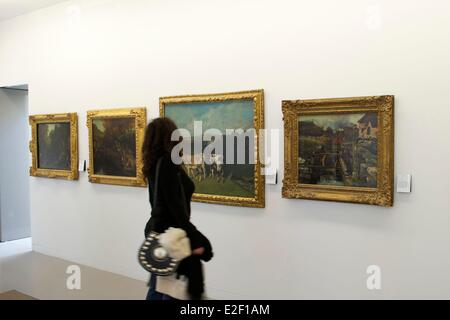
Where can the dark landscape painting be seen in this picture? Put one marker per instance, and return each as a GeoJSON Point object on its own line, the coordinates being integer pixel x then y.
{"type": "Point", "coordinates": [53, 146]}
{"type": "Point", "coordinates": [114, 146]}
{"type": "Point", "coordinates": [217, 175]}
{"type": "Point", "coordinates": [338, 149]}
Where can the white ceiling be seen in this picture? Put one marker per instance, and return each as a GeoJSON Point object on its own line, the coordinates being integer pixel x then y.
{"type": "Point", "coordinates": [13, 8]}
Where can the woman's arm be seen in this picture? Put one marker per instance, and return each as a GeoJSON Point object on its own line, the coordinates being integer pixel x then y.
{"type": "Point", "coordinates": [198, 252]}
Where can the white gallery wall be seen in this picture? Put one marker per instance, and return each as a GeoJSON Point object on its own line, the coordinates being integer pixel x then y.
{"type": "Point", "coordinates": [83, 55]}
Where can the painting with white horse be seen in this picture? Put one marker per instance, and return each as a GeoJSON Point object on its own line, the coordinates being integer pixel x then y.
{"type": "Point", "coordinates": [219, 146]}
{"type": "Point", "coordinates": [212, 172]}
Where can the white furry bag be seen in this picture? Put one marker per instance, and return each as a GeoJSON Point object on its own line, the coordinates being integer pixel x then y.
{"type": "Point", "coordinates": [176, 242]}
{"type": "Point", "coordinates": [178, 246]}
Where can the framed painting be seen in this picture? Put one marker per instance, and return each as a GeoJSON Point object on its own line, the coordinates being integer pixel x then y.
{"type": "Point", "coordinates": [231, 176]}
{"type": "Point", "coordinates": [115, 140]}
{"type": "Point", "coordinates": [340, 149]}
{"type": "Point", "coordinates": [54, 146]}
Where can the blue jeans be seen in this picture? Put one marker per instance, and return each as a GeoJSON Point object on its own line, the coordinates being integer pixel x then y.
{"type": "Point", "coordinates": [153, 294]}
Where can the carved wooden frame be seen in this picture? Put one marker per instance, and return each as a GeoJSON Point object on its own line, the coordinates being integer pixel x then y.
{"type": "Point", "coordinates": [70, 118]}
{"type": "Point", "coordinates": [140, 116]}
{"type": "Point", "coordinates": [381, 195]}
{"type": "Point", "coordinates": [257, 96]}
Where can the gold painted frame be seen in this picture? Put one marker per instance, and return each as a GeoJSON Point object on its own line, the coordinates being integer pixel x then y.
{"type": "Point", "coordinates": [140, 116]}
{"type": "Point", "coordinates": [258, 201]}
{"type": "Point", "coordinates": [381, 195]}
{"type": "Point", "coordinates": [70, 118]}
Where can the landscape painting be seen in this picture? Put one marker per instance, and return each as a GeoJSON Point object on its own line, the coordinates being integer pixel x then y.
{"type": "Point", "coordinates": [219, 176]}
{"type": "Point", "coordinates": [114, 147]}
{"type": "Point", "coordinates": [54, 145]}
{"type": "Point", "coordinates": [338, 149]}
{"type": "Point", "coordinates": [115, 140]}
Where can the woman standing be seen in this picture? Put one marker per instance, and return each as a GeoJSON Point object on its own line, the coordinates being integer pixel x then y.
{"type": "Point", "coordinates": [173, 206]}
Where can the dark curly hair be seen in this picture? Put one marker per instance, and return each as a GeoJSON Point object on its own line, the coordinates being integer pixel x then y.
{"type": "Point", "coordinates": [157, 142]}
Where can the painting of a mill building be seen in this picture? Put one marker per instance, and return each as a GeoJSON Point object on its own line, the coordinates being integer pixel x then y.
{"type": "Point", "coordinates": [338, 149]}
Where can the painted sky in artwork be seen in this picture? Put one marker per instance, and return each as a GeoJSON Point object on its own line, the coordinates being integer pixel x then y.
{"type": "Point", "coordinates": [50, 127]}
{"type": "Point", "coordinates": [99, 124]}
{"type": "Point", "coordinates": [219, 115]}
{"type": "Point", "coordinates": [334, 121]}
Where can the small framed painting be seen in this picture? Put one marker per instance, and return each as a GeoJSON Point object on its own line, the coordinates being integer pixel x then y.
{"type": "Point", "coordinates": [54, 146]}
{"type": "Point", "coordinates": [230, 172]}
{"type": "Point", "coordinates": [340, 149]}
{"type": "Point", "coordinates": [115, 140]}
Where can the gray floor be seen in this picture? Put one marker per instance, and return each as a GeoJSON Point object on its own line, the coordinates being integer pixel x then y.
{"type": "Point", "coordinates": [15, 295]}
{"type": "Point", "coordinates": [45, 278]}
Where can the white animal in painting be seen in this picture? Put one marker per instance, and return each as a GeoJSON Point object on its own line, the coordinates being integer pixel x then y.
{"type": "Point", "coordinates": [195, 166]}
{"type": "Point", "coordinates": [216, 169]}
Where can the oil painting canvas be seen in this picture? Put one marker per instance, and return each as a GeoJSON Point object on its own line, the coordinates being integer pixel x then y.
{"type": "Point", "coordinates": [114, 147]}
{"type": "Point", "coordinates": [54, 146]}
{"type": "Point", "coordinates": [219, 176]}
{"type": "Point", "coordinates": [338, 149]}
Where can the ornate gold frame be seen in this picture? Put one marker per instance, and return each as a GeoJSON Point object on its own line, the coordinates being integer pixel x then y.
{"type": "Point", "coordinates": [140, 116]}
{"type": "Point", "coordinates": [35, 171]}
{"type": "Point", "coordinates": [383, 194]}
{"type": "Point", "coordinates": [257, 96]}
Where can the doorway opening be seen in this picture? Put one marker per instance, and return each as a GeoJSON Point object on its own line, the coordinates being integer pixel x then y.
{"type": "Point", "coordinates": [14, 164]}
